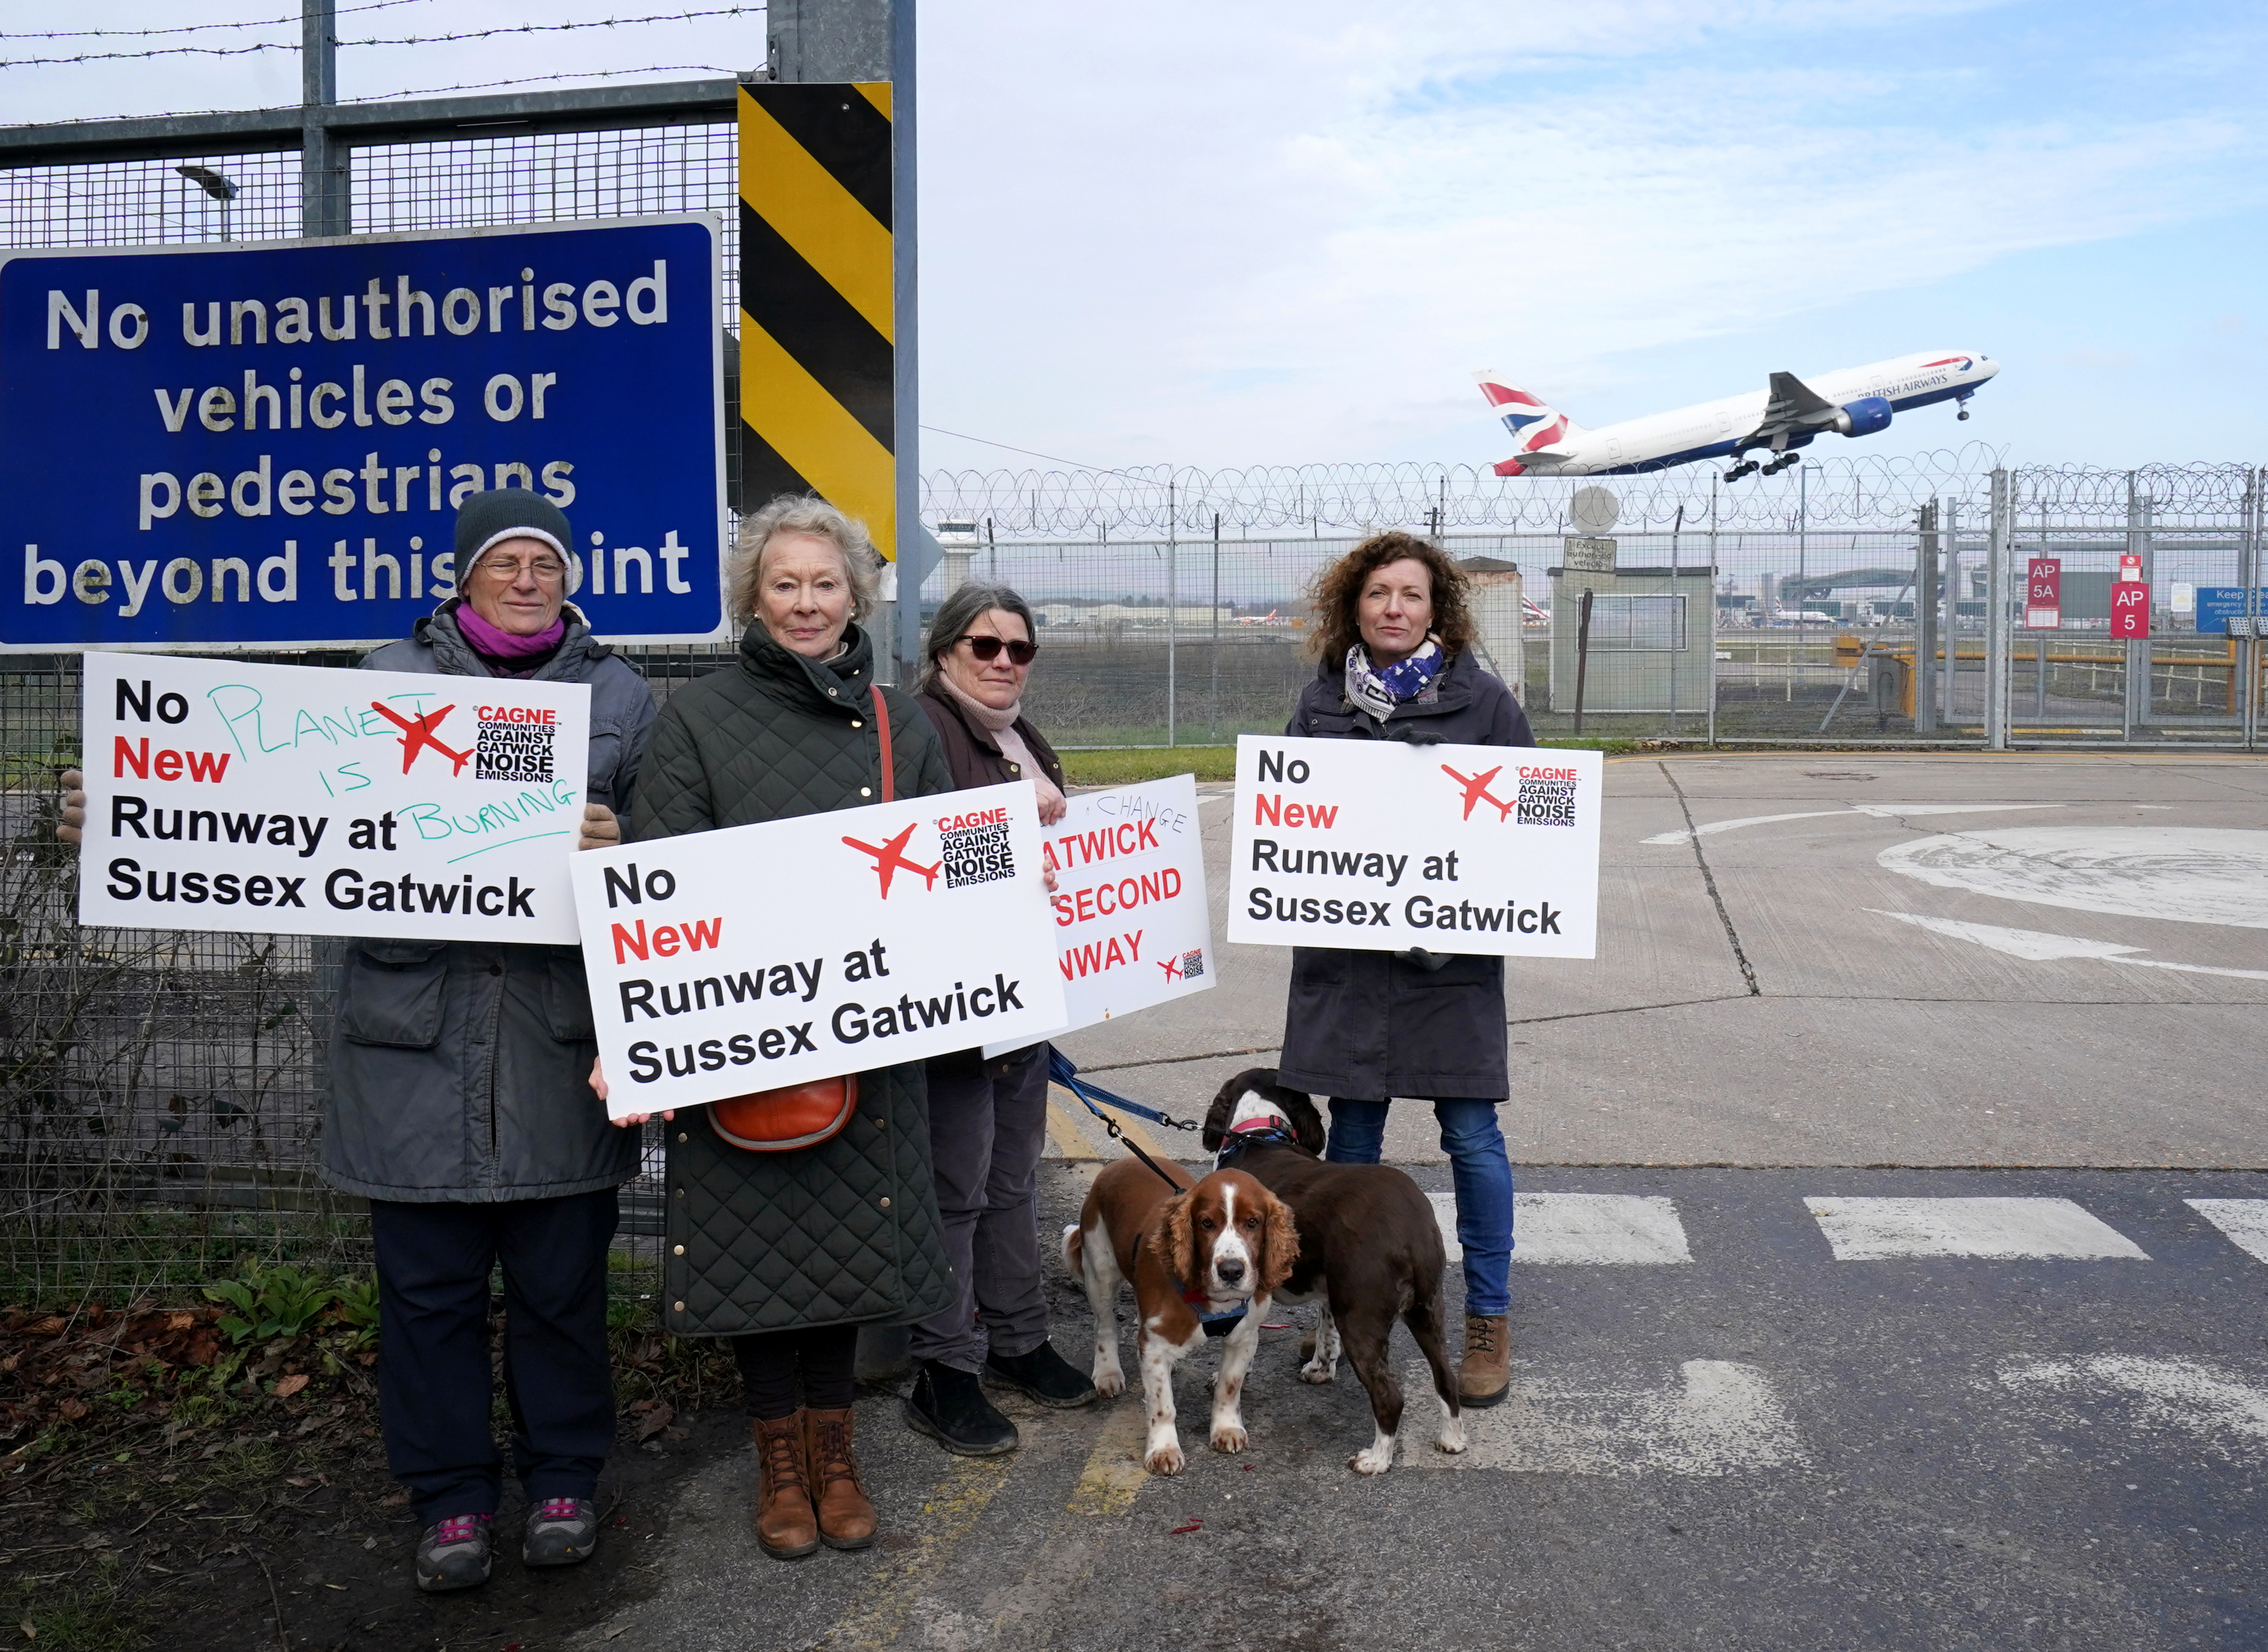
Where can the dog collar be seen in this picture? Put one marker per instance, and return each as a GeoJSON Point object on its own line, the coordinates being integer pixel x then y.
{"type": "Point", "coordinates": [1273, 1131]}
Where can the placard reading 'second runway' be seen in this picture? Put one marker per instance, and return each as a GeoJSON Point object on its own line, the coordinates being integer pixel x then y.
{"type": "Point", "coordinates": [1382, 847]}
{"type": "Point", "coordinates": [757, 956]}
{"type": "Point", "coordinates": [312, 802]}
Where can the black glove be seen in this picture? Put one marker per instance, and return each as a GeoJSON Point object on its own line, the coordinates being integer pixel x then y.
{"type": "Point", "coordinates": [1424, 960]}
{"type": "Point", "coordinates": [1411, 735]}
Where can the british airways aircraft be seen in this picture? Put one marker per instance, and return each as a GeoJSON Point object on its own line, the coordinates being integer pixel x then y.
{"type": "Point", "coordinates": [1855, 401]}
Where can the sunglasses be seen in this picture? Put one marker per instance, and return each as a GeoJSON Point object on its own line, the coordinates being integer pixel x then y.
{"type": "Point", "coordinates": [988, 649]}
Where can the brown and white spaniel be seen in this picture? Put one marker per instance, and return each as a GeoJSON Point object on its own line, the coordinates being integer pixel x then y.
{"type": "Point", "coordinates": [1197, 1252]}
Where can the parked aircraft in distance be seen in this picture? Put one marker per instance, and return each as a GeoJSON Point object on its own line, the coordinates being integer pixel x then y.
{"type": "Point", "coordinates": [1268, 618]}
{"type": "Point", "coordinates": [1784, 418]}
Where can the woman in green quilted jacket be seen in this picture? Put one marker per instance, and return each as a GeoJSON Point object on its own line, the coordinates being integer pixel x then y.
{"type": "Point", "coordinates": [788, 1254]}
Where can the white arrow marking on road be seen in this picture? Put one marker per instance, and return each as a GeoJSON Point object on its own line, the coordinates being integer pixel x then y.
{"type": "Point", "coordinates": [1718, 1418]}
{"type": "Point", "coordinates": [1876, 811]}
{"type": "Point", "coordinates": [2038, 947]}
{"type": "Point", "coordinates": [2182, 1394]}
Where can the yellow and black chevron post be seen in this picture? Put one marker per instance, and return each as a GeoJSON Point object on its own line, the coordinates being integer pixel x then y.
{"type": "Point", "coordinates": [818, 317]}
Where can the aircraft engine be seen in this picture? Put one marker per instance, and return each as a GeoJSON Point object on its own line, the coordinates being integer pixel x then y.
{"type": "Point", "coordinates": [1863, 416]}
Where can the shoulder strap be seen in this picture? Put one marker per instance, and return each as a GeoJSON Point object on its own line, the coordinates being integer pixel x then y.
{"type": "Point", "coordinates": [883, 733]}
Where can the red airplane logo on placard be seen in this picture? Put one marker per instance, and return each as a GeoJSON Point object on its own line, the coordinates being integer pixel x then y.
{"type": "Point", "coordinates": [1172, 967]}
{"type": "Point", "coordinates": [1476, 790]}
{"type": "Point", "coordinates": [890, 857]}
{"type": "Point", "coordinates": [417, 733]}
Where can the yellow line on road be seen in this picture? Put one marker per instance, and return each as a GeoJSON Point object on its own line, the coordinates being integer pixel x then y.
{"type": "Point", "coordinates": [1113, 1470]}
{"type": "Point", "coordinates": [1064, 1133]}
{"type": "Point", "coordinates": [878, 1616]}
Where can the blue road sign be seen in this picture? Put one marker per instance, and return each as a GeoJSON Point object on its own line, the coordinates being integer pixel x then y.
{"type": "Point", "coordinates": [221, 447]}
{"type": "Point", "coordinates": [2218, 604]}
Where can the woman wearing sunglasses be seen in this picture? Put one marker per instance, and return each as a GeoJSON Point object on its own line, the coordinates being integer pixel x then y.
{"type": "Point", "coordinates": [988, 1119]}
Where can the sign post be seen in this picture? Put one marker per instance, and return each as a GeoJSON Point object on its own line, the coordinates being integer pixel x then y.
{"type": "Point", "coordinates": [2130, 609]}
{"type": "Point", "coordinates": [226, 445]}
{"type": "Point", "coordinates": [1380, 846]}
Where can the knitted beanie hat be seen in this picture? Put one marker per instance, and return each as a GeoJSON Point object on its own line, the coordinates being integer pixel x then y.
{"type": "Point", "coordinates": [502, 513]}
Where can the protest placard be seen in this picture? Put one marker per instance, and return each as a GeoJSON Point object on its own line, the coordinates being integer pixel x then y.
{"type": "Point", "coordinates": [1132, 928]}
{"type": "Point", "coordinates": [728, 962]}
{"type": "Point", "coordinates": [1380, 846]}
{"type": "Point", "coordinates": [312, 801]}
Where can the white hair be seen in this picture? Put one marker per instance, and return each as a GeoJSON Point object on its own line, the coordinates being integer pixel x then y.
{"type": "Point", "coordinates": [802, 514]}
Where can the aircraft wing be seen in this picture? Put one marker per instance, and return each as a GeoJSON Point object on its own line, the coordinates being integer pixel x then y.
{"type": "Point", "coordinates": [1791, 408]}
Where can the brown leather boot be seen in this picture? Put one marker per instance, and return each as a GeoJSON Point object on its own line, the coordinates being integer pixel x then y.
{"type": "Point", "coordinates": [846, 1519]}
{"type": "Point", "coordinates": [786, 1528]}
{"type": "Point", "coordinates": [1485, 1373]}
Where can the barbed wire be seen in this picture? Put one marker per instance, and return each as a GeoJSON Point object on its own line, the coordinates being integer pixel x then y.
{"type": "Point", "coordinates": [191, 28]}
{"type": "Point", "coordinates": [403, 40]}
{"type": "Point", "coordinates": [530, 80]}
{"type": "Point", "coordinates": [1866, 494]}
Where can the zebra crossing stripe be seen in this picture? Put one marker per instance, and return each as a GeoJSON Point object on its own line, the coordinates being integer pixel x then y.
{"type": "Point", "coordinates": [817, 321]}
{"type": "Point", "coordinates": [2243, 1221]}
{"type": "Point", "coordinates": [2005, 1229]}
{"type": "Point", "coordinates": [1607, 1229]}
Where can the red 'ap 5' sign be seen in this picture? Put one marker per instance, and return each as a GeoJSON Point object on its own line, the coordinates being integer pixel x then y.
{"type": "Point", "coordinates": [2130, 609]}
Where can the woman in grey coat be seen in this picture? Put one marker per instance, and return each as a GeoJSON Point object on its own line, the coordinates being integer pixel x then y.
{"type": "Point", "coordinates": [1394, 634]}
{"type": "Point", "coordinates": [457, 1105]}
{"type": "Point", "coordinates": [788, 1253]}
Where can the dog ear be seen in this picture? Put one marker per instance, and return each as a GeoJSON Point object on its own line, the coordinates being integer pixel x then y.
{"type": "Point", "coordinates": [1177, 1238]}
{"type": "Point", "coordinates": [1223, 1104]}
{"type": "Point", "coordinates": [1280, 1246]}
{"type": "Point", "coordinates": [1306, 1123]}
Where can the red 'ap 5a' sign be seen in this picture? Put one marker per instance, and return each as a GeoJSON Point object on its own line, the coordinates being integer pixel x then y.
{"type": "Point", "coordinates": [2130, 609]}
{"type": "Point", "coordinates": [2044, 594]}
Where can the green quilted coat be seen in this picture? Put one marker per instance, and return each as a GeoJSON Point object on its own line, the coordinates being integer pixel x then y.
{"type": "Point", "coordinates": [846, 1232]}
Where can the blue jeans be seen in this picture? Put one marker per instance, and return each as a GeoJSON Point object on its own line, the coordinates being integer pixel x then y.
{"type": "Point", "coordinates": [1481, 1169]}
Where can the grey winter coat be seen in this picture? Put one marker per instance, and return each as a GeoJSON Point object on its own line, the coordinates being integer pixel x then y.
{"type": "Point", "coordinates": [847, 1232]}
{"type": "Point", "coordinates": [460, 1071]}
{"type": "Point", "coordinates": [1369, 1026]}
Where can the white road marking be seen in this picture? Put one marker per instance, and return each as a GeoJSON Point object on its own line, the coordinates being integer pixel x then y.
{"type": "Point", "coordinates": [1718, 1418]}
{"type": "Point", "coordinates": [1602, 1227]}
{"type": "Point", "coordinates": [1876, 811]}
{"type": "Point", "coordinates": [2039, 947]}
{"type": "Point", "coordinates": [2005, 1229]}
{"type": "Point", "coordinates": [2243, 1221]}
{"type": "Point", "coordinates": [2192, 874]}
{"type": "Point", "coordinates": [2226, 1412]}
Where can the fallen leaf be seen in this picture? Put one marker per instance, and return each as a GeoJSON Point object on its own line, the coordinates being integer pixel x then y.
{"type": "Point", "coordinates": [1187, 1527]}
{"type": "Point", "coordinates": [656, 1420]}
{"type": "Point", "coordinates": [51, 1326]}
{"type": "Point", "coordinates": [394, 1502]}
{"type": "Point", "coordinates": [32, 1632]}
{"type": "Point", "coordinates": [73, 1409]}
{"type": "Point", "coordinates": [179, 1322]}
{"type": "Point", "coordinates": [291, 1385]}
{"type": "Point", "coordinates": [293, 1480]}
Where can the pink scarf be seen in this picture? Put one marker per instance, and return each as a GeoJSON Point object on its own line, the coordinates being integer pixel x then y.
{"type": "Point", "coordinates": [502, 645]}
{"type": "Point", "coordinates": [1000, 722]}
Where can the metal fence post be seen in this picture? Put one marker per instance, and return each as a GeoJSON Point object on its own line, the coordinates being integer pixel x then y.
{"type": "Point", "coordinates": [1952, 664]}
{"type": "Point", "coordinates": [1999, 640]}
{"type": "Point", "coordinates": [1924, 660]}
{"type": "Point", "coordinates": [1173, 616]}
{"type": "Point", "coordinates": [326, 182]}
{"type": "Point", "coordinates": [1216, 627]}
{"type": "Point", "coordinates": [2248, 652]}
{"type": "Point", "coordinates": [1712, 605]}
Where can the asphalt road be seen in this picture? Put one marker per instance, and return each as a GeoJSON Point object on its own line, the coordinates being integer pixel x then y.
{"type": "Point", "coordinates": [2025, 1403]}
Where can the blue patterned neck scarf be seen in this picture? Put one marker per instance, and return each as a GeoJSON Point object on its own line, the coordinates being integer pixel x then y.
{"type": "Point", "coordinates": [1379, 692]}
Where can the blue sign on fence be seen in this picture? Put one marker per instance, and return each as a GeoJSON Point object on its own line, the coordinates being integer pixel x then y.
{"type": "Point", "coordinates": [2218, 604]}
{"type": "Point", "coordinates": [225, 447]}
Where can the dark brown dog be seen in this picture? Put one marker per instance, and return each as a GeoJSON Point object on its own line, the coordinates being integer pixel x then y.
{"type": "Point", "coordinates": [1200, 1248]}
{"type": "Point", "coordinates": [1369, 1246]}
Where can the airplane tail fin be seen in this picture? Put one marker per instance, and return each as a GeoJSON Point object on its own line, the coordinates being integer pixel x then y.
{"type": "Point", "coordinates": [1535, 424]}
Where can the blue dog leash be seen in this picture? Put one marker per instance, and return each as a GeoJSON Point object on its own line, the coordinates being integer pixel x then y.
{"type": "Point", "coordinates": [1095, 1098]}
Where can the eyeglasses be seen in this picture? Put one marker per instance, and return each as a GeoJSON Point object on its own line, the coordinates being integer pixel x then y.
{"type": "Point", "coordinates": [548, 569]}
{"type": "Point", "coordinates": [988, 649]}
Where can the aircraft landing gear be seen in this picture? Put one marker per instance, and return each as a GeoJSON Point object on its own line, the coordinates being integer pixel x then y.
{"type": "Point", "coordinates": [1963, 414]}
{"type": "Point", "coordinates": [1781, 464]}
{"type": "Point", "coordinates": [1964, 406]}
{"type": "Point", "coordinates": [1746, 468]}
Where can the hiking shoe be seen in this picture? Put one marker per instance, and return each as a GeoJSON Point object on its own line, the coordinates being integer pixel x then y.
{"type": "Point", "coordinates": [949, 1406]}
{"type": "Point", "coordinates": [1045, 1374]}
{"type": "Point", "coordinates": [454, 1554]}
{"type": "Point", "coordinates": [1486, 1373]}
{"type": "Point", "coordinates": [561, 1531]}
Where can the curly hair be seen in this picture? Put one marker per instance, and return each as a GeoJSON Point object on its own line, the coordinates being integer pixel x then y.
{"type": "Point", "coordinates": [1335, 597]}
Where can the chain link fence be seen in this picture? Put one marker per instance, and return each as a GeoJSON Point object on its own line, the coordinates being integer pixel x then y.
{"type": "Point", "coordinates": [161, 1089]}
